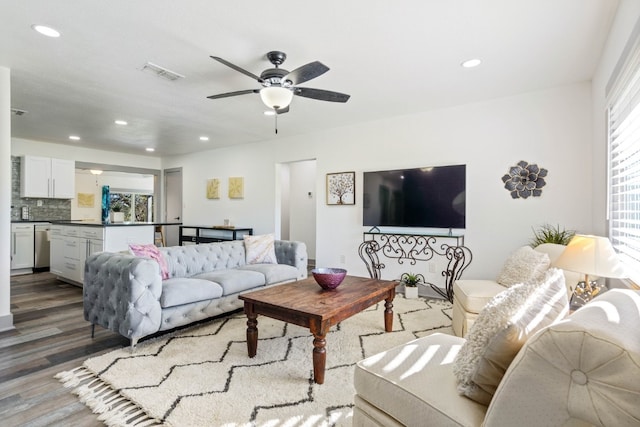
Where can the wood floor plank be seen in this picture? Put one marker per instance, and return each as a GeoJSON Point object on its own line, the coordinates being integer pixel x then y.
{"type": "Point", "coordinates": [50, 336]}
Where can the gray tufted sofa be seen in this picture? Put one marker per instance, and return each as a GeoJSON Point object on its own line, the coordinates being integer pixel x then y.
{"type": "Point", "coordinates": [127, 295]}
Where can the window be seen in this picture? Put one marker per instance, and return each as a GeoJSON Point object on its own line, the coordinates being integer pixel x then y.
{"type": "Point", "coordinates": [135, 206]}
{"type": "Point", "coordinates": [623, 114]}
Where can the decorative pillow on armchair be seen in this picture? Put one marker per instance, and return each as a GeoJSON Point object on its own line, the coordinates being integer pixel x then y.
{"type": "Point", "coordinates": [502, 328]}
{"type": "Point", "coordinates": [523, 266]}
{"type": "Point", "coordinates": [260, 249]}
{"type": "Point", "coordinates": [151, 251]}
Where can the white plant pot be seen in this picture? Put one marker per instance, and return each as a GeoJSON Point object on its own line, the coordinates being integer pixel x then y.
{"type": "Point", "coordinates": [411, 292]}
{"type": "Point", "coordinates": [117, 216]}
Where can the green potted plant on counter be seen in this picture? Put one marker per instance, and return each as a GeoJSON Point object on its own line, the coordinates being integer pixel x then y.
{"type": "Point", "coordinates": [411, 282]}
{"type": "Point", "coordinates": [116, 213]}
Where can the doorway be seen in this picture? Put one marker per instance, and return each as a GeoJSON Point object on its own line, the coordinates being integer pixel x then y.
{"type": "Point", "coordinates": [173, 204]}
{"type": "Point", "coordinates": [297, 216]}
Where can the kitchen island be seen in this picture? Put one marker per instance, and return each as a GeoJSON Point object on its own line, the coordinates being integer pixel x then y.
{"type": "Point", "coordinates": [73, 241]}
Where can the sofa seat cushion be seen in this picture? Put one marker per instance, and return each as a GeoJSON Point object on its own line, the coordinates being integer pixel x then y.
{"type": "Point", "coordinates": [234, 280]}
{"type": "Point", "coordinates": [273, 273]}
{"type": "Point", "coordinates": [414, 383]}
{"type": "Point", "coordinates": [187, 290]}
{"type": "Point", "coordinates": [473, 295]}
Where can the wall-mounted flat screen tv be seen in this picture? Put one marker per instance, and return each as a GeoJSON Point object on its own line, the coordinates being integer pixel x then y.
{"type": "Point", "coordinates": [431, 197]}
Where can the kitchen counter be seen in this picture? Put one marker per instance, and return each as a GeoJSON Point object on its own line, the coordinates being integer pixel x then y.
{"type": "Point", "coordinates": [114, 224]}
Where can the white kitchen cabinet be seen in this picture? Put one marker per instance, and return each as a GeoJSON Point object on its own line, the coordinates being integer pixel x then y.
{"type": "Point", "coordinates": [72, 244]}
{"type": "Point", "coordinates": [47, 178]}
{"type": "Point", "coordinates": [56, 250]}
{"type": "Point", "coordinates": [22, 246]}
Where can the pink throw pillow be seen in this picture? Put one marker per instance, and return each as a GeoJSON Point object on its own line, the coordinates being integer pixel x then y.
{"type": "Point", "coordinates": [151, 251]}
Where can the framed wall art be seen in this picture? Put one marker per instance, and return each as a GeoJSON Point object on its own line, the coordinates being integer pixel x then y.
{"type": "Point", "coordinates": [213, 188]}
{"type": "Point", "coordinates": [341, 188]}
{"type": "Point", "coordinates": [236, 187]}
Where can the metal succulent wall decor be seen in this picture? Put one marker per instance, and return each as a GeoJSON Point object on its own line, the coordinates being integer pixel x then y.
{"type": "Point", "coordinates": [524, 180]}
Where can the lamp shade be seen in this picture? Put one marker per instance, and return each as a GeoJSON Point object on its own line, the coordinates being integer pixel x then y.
{"type": "Point", "coordinates": [276, 97]}
{"type": "Point", "coordinates": [591, 255]}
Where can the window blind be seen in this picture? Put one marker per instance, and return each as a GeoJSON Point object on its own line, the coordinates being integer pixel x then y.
{"type": "Point", "coordinates": [623, 114]}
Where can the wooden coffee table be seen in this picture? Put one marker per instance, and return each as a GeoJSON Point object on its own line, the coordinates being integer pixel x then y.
{"type": "Point", "coordinates": [304, 303]}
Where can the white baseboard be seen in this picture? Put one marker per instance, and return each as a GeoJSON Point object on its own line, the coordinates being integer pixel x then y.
{"type": "Point", "coordinates": [6, 322]}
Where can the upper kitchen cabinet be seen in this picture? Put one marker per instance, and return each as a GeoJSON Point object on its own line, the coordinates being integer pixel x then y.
{"type": "Point", "coordinates": [47, 178]}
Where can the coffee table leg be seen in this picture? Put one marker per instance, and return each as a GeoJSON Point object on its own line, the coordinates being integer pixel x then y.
{"type": "Point", "coordinates": [319, 331]}
{"type": "Point", "coordinates": [319, 357]}
{"type": "Point", "coordinates": [388, 313]}
{"type": "Point", "coordinates": [252, 330]}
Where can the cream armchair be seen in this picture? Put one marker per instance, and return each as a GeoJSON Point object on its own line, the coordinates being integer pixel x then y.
{"type": "Point", "coordinates": [471, 295]}
{"type": "Point", "coordinates": [580, 371]}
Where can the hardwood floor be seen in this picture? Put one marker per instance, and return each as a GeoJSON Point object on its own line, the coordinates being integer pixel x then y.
{"type": "Point", "coordinates": [51, 336]}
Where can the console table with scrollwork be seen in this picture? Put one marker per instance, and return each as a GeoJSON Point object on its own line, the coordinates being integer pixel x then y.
{"type": "Point", "coordinates": [411, 248]}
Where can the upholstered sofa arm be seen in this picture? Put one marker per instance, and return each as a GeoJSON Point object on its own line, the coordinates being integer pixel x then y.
{"type": "Point", "coordinates": [584, 370]}
{"type": "Point", "coordinates": [122, 294]}
{"type": "Point", "coordinates": [293, 253]}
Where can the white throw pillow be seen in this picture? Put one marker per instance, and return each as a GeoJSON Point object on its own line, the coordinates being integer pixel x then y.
{"type": "Point", "coordinates": [260, 249]}
{"type": "Point", "coordinates": [523, 266]}
{"type": "Point", "coordinates": [502, 328]}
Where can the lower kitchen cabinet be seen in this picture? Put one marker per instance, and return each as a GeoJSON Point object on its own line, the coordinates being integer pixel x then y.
{"type": "Point", "coordinates": [22, 237]}
{"type": "Point", "coordinates": [72, 244]}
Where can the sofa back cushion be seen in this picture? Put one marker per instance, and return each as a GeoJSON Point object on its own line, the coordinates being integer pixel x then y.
{"type": "Point", "coordinates": [190, 260]}
{"type": "Point", "coordinates": [502, 328]}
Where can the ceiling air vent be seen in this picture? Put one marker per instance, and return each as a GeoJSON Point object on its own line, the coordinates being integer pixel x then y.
{"type": "Point", "coordinates": [162, 72]}
{"type": "Point", "coordinates": [18, 112]}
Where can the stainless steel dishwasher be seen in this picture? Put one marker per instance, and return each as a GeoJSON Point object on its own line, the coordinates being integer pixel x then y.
{"type": "Point", "coordinates": [42, 246]}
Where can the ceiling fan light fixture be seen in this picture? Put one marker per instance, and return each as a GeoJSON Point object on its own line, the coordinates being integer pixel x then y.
{"type": "Point", "coordinates": [276, 97]}
{"type": "Point", "coordinates": [95, 171]}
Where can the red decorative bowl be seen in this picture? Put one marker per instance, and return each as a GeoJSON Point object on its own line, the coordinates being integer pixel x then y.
{"type": "Point", "coordinates": [329, 278]}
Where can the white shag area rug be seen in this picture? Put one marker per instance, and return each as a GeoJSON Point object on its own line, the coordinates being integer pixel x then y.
{"type": "Point", "coordinates": [202, 376]}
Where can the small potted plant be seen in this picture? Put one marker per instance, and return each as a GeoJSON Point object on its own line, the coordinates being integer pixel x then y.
{"type": "Point", "coordinates": [547, 233]}
{"type": "Point", "coordinates": [411, 282]}
{"type": "Point", "coordinates": [116, 213]}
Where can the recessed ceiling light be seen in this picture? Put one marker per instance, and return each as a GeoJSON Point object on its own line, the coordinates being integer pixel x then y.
{"type": "Point", "coordinates": [149, 149]}
{"type": "Point", "coordinates": [269, 113]}
{"type": "Point", "coordinates": [74, 138]}
{"type": "Point", "coordinates": [121, 122]}
{"type": "Point", "coordinates": [46, 31]}
{"type": "Point", "coordinates": [471, 63]}
{"type": "Point", "coordinates": [204, 138]}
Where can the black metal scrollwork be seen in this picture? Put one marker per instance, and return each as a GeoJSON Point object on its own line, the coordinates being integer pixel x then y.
{"type": "Point", "coordinates": [413, 248]}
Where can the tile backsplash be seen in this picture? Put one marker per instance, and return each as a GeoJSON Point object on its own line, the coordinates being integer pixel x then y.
{"type": "Point", "coordinates": [49, 209]}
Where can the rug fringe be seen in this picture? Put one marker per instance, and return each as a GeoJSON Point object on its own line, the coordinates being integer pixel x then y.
{"type": "Point", "coordinates": [112, 408]}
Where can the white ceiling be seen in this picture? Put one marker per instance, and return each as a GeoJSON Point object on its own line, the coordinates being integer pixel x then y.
{"type": "Point", "coordinates": [392, 57]}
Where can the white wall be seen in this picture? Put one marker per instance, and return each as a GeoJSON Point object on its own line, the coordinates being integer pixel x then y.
{"type": "Point", "coordinates": [551, 128]}
{"type": "Point", "coordinates": [20, 147]}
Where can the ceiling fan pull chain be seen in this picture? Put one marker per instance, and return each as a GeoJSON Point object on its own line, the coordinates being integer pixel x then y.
{"type": "Point", "coordinates": [276, 118]}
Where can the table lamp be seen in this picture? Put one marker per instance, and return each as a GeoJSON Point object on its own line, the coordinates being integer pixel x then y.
{"type": "Point", "coordinates": [591, 256]}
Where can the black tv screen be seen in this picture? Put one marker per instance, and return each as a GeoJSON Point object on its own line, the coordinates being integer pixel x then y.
{"type": "Point", "coordinates": [431, 197]}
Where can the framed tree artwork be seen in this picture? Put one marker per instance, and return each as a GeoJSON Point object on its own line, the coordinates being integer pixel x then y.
{"type": "Point", "coordinates": [341, 188]}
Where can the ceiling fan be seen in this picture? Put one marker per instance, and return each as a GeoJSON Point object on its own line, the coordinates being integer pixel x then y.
{"type": "Point", "coordinates": [279, 85]}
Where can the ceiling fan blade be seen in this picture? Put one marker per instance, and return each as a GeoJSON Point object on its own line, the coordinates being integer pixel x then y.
{"type": "Point", "coordinates": [238, 92]}
{"type": "Point", "coordinates": [235, 67]}
{"type": "Point", "coordinates": [322, 95]}
{"type": "Point", "coordinates": [306, 73]}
